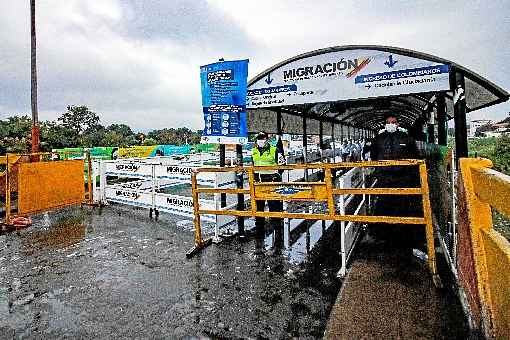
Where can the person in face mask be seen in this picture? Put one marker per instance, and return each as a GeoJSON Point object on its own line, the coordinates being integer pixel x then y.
{"type": "Point", "coordinates": [264, 154]}
{"type": "Point", "coordinates": [394, 143]}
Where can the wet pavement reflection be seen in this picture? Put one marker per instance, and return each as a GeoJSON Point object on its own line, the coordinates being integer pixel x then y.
{"type": "Point", "coordinates": [113, 272]}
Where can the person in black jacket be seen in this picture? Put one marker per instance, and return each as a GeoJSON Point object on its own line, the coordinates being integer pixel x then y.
{"type": "Point", "coordinates": [394, 143]}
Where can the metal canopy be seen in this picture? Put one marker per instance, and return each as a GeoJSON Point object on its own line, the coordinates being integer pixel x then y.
{"type": "Point", "coordinates": [368, 113]}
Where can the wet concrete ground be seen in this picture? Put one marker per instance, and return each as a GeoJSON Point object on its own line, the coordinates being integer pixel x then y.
{"type": "Point", "coordinates": [114, 273]}
{"type": "Point", "coordinates": [390, 295]}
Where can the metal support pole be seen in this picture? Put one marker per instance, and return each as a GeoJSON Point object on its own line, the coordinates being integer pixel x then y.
{"type": "Point", "coordinates": [240, 185]}
{"type": "Point", "coordinates": [33, 83]}
{"type": "Point", "coordinates": [441, 119]}
{"type": "Point", "coordinates": [321, 139]}
{"type": "Point", "coordinates": [223, 196]}
{"type": "Point", "coordinates": [7, 191]}
{"type": "Point", "coordinates": [431, 138]}
{"type": "Point", "coordinates": [458, 86]}
{"type": "Point", "coordinates": [279, 123]}
{"type": "Point", "coordinates": [333, 141]}
{"type": "Point", "coordinates": [89, 178]}
{"type": "Point", "coordinates": [305, 148]}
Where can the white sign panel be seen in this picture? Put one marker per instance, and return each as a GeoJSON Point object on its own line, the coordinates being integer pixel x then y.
{"type": "Point", "coordinates": [128, 169]}
{"type": "Point", "coordinates": [131, 197]}
{"type": "Point", "coordinates": [343, 75]}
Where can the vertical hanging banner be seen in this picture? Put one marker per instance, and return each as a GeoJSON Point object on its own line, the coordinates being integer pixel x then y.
{"type": "Point", "coordinates": [224, 87]}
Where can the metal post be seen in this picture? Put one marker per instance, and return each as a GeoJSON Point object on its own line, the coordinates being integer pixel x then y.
{"type": "Point", "coordinates": [459, 111]}
{"type": "Point", "coordinates": [341, 203]}
{"type": "Point", "coordinates": [431, 138]}
{"type": "Point", "coordinates": [223, 196]}
{"type": "Point", "coordinates": [333, 141]}
{"type": "Point", "coordinates": [7, 191]}
{"type": "Point", "coordinates": [240, 184]}
{"type": "Point", "coordinates": [153, 192]}
{"type": "Point", "coordinates": [441, 119]}
{"type": "Point", "coordinates": [33, 85]}
{"type": "Point", "coordinates": [89, 178]}
{"type": "Point", "coordinates": [321, 138]}
{"type": "Point", "coordinates": [305, 148]}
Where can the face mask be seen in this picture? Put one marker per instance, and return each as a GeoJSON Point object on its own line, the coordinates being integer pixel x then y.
{"type": "Point", "coordinates": [261, 142]}
{"type": "Point", "coordinates": [391, 128]}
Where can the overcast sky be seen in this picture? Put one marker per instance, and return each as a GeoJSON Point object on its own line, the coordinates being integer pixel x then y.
{"type": "Point", "coordinates": [137, 61]}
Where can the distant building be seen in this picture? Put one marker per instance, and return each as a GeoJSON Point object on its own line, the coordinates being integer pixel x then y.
{"type": "Point", "coordinates": [476, 124]}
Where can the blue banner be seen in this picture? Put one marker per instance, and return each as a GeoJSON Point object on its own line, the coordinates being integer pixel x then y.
{"type": "Point", "coordinates": [224, 87]}
{"type": "Point", "coordinates": [416, 72]}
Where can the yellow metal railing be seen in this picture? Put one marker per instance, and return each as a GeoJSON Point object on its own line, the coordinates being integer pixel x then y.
{"type": "Point", "coordinates": [486, 188]}
{"type": "Point", "coordinates": [317, 191]}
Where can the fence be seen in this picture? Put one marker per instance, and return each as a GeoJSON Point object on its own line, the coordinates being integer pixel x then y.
{"type": "Point", "coordinates": [316, 191]}
{"type": "Point", "coordinates": [484, 254]}
{"type": "Point", "coordinates": [143, 182]}
{"type": "Point", "coordinates": [36, 182]}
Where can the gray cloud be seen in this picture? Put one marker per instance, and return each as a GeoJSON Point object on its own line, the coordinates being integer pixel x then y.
{"type": "Point", "coordinates": [137, 61]}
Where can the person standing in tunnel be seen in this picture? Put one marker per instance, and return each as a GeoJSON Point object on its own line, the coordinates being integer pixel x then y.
{"type": "Point", "coordinates": [264, 154]}
{"type": "Point", "coordinates": [394, 143]}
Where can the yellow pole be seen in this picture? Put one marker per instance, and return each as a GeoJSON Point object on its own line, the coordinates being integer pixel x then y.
{"type": "Point", "coordinates": [429, 229]}
{"type": "Point", "coordinates": [329, 187]}
{"type": "Point", "coordinates": [196, 210]}
{"type": "Point", "coordinates": [251, 180]}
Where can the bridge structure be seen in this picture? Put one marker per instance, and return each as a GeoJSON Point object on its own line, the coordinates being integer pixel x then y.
{"type": "Point", "coordinates": [346, 92]}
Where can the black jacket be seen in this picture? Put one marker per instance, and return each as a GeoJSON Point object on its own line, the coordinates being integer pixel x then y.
{"type": "Point", "coordinates": [394, 146]}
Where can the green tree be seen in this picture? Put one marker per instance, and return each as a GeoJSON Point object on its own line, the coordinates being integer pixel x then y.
{"type": "Point", "coordinates": [501, 156]}
{"type": "Point", "coordinates": [175, 136]}
{"type": "Point", "coordinates": [15, 134]}
{"type": "Point", "coordinates": [55, 136]}
{"type": "Point", "coordinates": [149, 141]}
{"type": "Point", "coordinates": [80, 120]}
{"type": "Point", "coordinates": [94, 137]}
{"type": "Point", "coordinates": [120, 134]}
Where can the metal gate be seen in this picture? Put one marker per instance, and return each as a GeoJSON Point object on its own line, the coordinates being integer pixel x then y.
{"type": "Point", "coordinates": [316, 191]}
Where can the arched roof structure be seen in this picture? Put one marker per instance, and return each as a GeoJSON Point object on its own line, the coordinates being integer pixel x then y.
{"type": "Point", "coordinates": [368, 112]}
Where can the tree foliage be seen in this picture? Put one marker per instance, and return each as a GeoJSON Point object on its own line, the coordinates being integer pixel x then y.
{"type": "Point", "coordinates": [495, 149]}
{"type": "Point", "coordinates": [501, 157]}
{"type": "Point", "coordinates": [81, 127]}
{"type": "Point", "coordinates": [15, 134]}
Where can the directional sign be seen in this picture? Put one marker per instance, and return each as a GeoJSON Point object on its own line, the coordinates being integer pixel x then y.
{"type": "Point", "coordinates": [224, 102]}
{"type": "Point", "coordinates": [344, 75]}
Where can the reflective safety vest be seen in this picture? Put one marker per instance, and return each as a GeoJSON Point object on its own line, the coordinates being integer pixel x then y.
{"type": "Point", "coordinates": [267, 158]}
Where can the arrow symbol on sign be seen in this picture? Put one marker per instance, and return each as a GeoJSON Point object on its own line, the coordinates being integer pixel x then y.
{"type": "Point", "coordinates": [390, 63]}
{"type": "Point", "coordinates": [368, 86]}
{"type": "Point", "coordinates": [269, 80]}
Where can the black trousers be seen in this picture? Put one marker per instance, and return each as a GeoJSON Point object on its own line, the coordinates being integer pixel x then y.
{"type": "Point", "coordinates": [273, 205]}
{"type": "Point", "coordinates": [398, 205]}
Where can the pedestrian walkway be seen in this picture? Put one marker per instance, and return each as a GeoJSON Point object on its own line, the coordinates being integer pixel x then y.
{"type": "Point", "coordinates": [389, 294]}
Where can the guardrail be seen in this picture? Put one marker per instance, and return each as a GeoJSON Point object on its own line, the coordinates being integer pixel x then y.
{"type": "Point", "coordinates": [489, 290]}
{"type": "Point", "coordinates": [317, 191]}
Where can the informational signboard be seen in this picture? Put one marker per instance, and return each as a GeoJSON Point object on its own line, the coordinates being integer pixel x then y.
{"type": "Point", "coordinates": [344, 75]}
{"type": "Point", "coordinates": [224, 102]}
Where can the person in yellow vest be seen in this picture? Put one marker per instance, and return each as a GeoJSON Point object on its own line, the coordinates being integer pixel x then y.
{"type": "Point", "coordinates": [264, 154]}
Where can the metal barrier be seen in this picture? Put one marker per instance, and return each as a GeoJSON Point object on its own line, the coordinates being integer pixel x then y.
{"type": "Point", "coordinates": [489, 289]}
{"type": "Point", "coordinates": [40, 182]}
{"type": "Point", "coordinates": [141, 183]}
{"type": "Point", "coordinates": [316, 191]}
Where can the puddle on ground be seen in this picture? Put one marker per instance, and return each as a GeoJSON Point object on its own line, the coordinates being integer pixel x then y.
{"type": "Point", "coordinates": [55, 236]}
